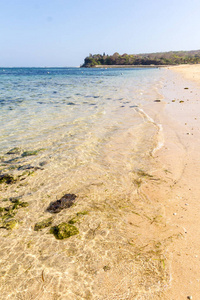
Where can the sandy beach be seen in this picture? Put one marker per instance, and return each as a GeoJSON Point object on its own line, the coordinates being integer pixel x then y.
{"type": "Point", "coordinates": [180, 189]}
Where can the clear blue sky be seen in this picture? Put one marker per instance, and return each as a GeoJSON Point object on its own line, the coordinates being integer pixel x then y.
{"type": "Point", "coordinates": [64, 32]}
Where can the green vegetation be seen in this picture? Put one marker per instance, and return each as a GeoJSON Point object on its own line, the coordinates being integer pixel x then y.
{"type": "Point", "coordinates": [10, 224]}
{"type": "Point", "coordinates": [6, 178]}
{"type": "Point", "coordinates": [64, 230]}
{"type": "Point", "coordinates": [43, 224]}
{"type": "Point", "coordinates": [82, 213]}
{"type": "Point", "coordinates": [30, 153]}
{"type": "Point", "coordinates": [17, 204]}
{"type": "Point", "coordinates": [73, 220]}
{"type": "Point", "coordinates": [15, 150]}
{"type": "Point", "coordinates": [162, 58]}
{"type": "Point", "coordinates": [7, 214]}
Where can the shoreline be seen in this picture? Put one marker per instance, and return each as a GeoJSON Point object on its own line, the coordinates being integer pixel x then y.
{"type": "Point", "coordinates": [127, 66]}
{"type": "Point", "coordinates": [134, 209]}
{"type": "Point", "coordinates": [179, 192]}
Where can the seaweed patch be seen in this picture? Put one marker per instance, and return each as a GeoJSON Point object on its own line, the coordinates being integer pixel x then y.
{"type": "Point", "coordinates": [64, 230]}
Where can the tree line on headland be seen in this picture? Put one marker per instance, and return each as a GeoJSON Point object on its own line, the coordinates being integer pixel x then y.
{"type": "Point", "coordinates": [161, 58]}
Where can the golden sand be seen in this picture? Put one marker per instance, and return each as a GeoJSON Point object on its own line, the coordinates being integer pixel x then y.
{"type": "Point", "coordinates": [180, 193]}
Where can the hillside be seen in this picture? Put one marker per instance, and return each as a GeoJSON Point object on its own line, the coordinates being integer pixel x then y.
{"type": "Point", "coordinates": [160, 58]}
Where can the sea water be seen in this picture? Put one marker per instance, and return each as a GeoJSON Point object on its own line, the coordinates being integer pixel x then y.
{"type": "Point", "coordinates": [60, 109]}
{"type": "Point", "coordinates": [84, 132]}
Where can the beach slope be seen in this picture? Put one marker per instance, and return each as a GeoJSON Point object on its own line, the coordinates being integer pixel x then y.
{"type": "Point", "coordinates": [180, 192]}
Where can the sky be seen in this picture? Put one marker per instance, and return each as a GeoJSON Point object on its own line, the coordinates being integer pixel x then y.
{"type": "Point", "coordinates": [61, 33]}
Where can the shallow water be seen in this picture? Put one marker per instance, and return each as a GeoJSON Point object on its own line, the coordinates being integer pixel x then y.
{"type": "Point", "coordinates": [38, 104]}
{"type": "Point", "coordinates": [84, 132]}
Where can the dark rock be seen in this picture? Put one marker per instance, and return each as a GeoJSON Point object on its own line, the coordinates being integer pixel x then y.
{"type": "Point", "coordinates": [14, 199]}
{"type": "Point", "coordinates": [11, 161]}
{"type": "Point", "coordinates": [15, 150]}
{"type": "Point", "coordinates": [106, 268]}
{"type": "Point", "coordinates": [25, 167]}
{"type": "Point", "coordinates": [65, 202]}
{"type": "Point", "coordinates": [42, 163]}
{"type": "Point", "coordinates": [157, 100]}
{"type": "Point", "coordinates": [6, 178]}
{"type": "Point", "coordinates": [64, 230]}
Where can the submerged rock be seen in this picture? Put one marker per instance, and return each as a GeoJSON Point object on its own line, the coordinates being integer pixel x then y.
{"type": "Point", "coordinates": [77, 217]}
{"type": "Point", "coordinates": [10, 224]}
{"type": "Point", "coordinates": [106, 268]}
{"type": "Point", "coordinates": [73, 220]}
{"type": "Point", "coordinates": [17, 203]}
{"type": "Point", "coordinates": [43, 224]}
{"type": "Point", "coordinates": [42, 163]}
{"type": "Point", "coordinates": [15, 150]}
{"type": "Point", "coordinates": [6, 178]}
{"type": "Point", "coordinates": [12, 160]}
{"type": "Point", "coordinates": [25, 167]}
{"type": "Point", "coordinates": [29, 153]}
{"type": "Point", "coordinates": [7, 213]}
{"type": "Point", "coordinates": [65, 202]}
{"type": "Point", "coordinates": [64, 230]}
{"type": "Point", "coordinates": [82, 213]}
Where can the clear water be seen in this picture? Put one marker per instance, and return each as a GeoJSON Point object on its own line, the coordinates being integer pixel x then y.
{"type": "Point", "coordinates": [92, 138]}
{"type": "Point", "coordinates": [38, 104]}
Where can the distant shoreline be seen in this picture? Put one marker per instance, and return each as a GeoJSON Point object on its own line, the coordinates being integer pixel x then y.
{"type": "Point", "coordinates": [127, 66]}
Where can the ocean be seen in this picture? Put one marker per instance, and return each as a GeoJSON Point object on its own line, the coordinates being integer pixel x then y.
{"type": "Point", "coordinates": [82, 132]}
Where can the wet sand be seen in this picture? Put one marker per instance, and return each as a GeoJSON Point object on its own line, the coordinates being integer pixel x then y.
{"type": "Point", "coordinates": [180, 191]}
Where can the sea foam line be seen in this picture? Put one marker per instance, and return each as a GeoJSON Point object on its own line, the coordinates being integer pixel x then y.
{"type": "Point", "coordinates": [160, 135]}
